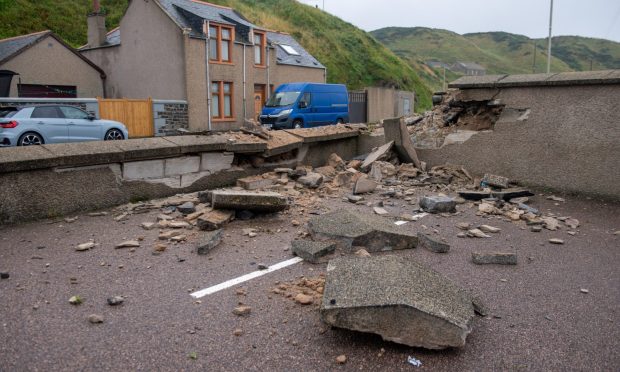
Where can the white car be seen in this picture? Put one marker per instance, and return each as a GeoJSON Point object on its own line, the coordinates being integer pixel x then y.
{"type": "Point", "coordinates": [37, 125]}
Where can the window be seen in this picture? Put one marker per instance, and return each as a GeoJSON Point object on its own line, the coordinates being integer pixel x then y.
{"type": "Point", "coordinates": [259, 48]}
{"type": "Point", "coordinates": [48, 112]}
{"type": "Point", "coordinates": [289, 49]}
{"type": "Point", "coordinates": [73, 113]}
{"type": "Point", "coordinates": [305, 100]}
{"type": "Point", "coordinates": [220, 43]}
{"type": "Point", "coordinates": [222, 106]}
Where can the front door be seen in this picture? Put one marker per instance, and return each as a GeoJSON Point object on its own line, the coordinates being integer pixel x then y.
{"type": "Point", "coordinates": [259, 100]}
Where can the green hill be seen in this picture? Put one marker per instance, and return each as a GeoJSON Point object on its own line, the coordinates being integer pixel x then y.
{"type": "Point", "coordinates": [498, 52]}
{"type": "Point", "coordinates": [351, 55]}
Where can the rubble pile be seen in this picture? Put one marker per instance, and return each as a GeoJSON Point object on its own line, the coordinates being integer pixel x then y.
{"type": "Point", "coordinates": [303, 291]}
{"type": "Point", "coordinates": [450, 115]}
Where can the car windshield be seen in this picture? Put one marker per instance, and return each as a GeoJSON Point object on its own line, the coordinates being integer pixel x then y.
{"type": "Point", "coordinates": [282, 99]}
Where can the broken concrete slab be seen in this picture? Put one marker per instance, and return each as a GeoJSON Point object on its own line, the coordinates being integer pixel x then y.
{"type": "Point", "coordinates": [350, 228]}
{"type": "Point", "coordinates": [396, 130]}
{"type": "Point", "coordinates": [398, 299]}
{"type": "Point", "coordinates": [208, 241]}
{"type": "Point", "coordinates": [254, 182]}
{"type": "Point", "coordinates": [266, 202]}
{"type": "Point", "coordinates": [312, 251]}
{"type": "Point", "coordinates": [438, 204]}
{"type": "Point", "coordinates": [311, 180]}
{"type": "Point", "coordinates": [495, 180]}
{"type": "Point", "coordinates": [497, 258]}
{"type": "Point", "coordinates": [434, 245]}
{"type": "Point", "coordinates": [378, 154]}
{"type": "Point", "coordinates": [214, 220]}
{"type": "Point", "coordinates": [364, 185]}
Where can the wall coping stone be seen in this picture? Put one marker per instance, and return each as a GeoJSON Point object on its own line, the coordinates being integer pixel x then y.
{"type": "Point", "coordinates": [324, 133]}
{"type": "Point", "coordinates": [533, 80]}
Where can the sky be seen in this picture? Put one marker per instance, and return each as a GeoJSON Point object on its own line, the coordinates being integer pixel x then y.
{"type": "Point", "coordinates": [591, 18]}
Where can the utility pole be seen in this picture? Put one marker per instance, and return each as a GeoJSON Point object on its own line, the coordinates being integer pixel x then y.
{"type": "Point", "coordinates": [534, 64]}
{"type": "Point", "coordinates": [443, 85]}
{"type": "Point", "coordinates": [323, 5]}
{"type": "Point", "coordinates": [549, 44]}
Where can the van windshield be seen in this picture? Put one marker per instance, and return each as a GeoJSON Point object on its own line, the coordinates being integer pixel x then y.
{"type": "Point", "coordinates": [282, 99]}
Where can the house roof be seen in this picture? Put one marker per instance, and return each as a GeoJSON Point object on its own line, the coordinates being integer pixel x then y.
{"type": "Point", "coordinates": [281, 40]}
{"type": "Point", "coordinates": [13, 46]}
{"type": "Point", "coordinates": [471, 65]}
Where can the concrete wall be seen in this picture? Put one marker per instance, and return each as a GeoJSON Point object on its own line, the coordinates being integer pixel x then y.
{"type": "Point", "coordinates": [569, 141]}
{"type": "Point", "coordinates": [149, 62]}
{"type": "Point", "coordinates": [50, 62]}
{"type": "Point", "coordinates": [384, 103]}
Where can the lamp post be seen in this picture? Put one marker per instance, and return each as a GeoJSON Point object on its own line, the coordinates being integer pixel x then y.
{"type": "Point", "coordinates": [549, 44]}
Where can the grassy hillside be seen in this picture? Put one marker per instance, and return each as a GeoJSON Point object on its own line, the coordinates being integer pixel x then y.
{"type": "Point", "coordinates": [499, 52]}
{"type": "Point", "coordinates": [351, 55]}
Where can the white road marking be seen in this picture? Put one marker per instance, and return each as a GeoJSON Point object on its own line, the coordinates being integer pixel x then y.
{"type": "Point", "coordinates": [245, 278]}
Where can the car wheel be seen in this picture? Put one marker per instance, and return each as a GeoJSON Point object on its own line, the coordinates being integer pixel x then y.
{"type": "Point", "coordinates": [29, 139]}
{"type": "Point", "coordinates": [298, 124]}
{"type": "Point", "coordinates": [339, 121]}
{"type": "Point", "coordinates": [113, 135]}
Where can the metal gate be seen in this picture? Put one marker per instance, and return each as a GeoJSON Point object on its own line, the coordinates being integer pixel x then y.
{"type": "Point", "coordinates": [358, 107]}
{"type": "Point", "coordinates": [136, 114]}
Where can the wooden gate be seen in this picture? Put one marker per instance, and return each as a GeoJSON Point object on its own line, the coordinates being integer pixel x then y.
{"type": "Point", "coordinates": [136, 114]}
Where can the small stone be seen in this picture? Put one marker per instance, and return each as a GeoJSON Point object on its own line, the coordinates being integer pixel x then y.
{"type": "Point", "coordinates": [115, 301]}
{"type": "Point", "coordinates": [354, 198]}
{"type": "Point", "coordinates": [311, 180]}
{"type": "Point", "coordinates": [215, 219]}
{"type": "Point", "coordinates": [432, 244]}
{"type": "Point", "coordinates": [362, 253]}
{"type": "Point", "coordinates": [120, 217]}
{"type": "Point", "coordinates": [380, 211]}
{"type": "Point", "coordinates": [147, 225]}
{"type": "Point", "coordinates": [160, 247]}
{"type": "Point", "coordinates": [71, 219]}
{"type": "Point", "coordinates": [295, 223]}
{"type": "Point", "coordinates": [169, 234]}
{"type": "Point", "coordinates": [95, 318]}
{"type": "Point", "coordinates": [179, 238]}
{"type": "Point", "coordinates": [341, 359]}
{"type": "Point", "coordinates": [437, 204]}
{"type": "Point", "coordinates": [85, 246]}
{"type": "Point", "coordinates": [556, 241]}
{"type": "Point", "coordinates": [163, 217]}
{"type": "Point", "coordinates": [489, 229]}
{"type": "Point", "coordinates": [187, 208]}
{"type": "Point", "coordinates": [242, 310]}
{"type": "Point", "coordinates": [461, 235]}
{"type": "Point", "coordinates": [75, 300]}
{"type": "Point", "coordinates": [573, 223]}
{"type": "Point", "coordinates": [494, 180]}
{"type": "Point", "coordinates": [364, 185]}
{"type": "Point", "coordinates": [463, 225]}
{"type": "Point", "coordinates": [128, 244]}
{"type": "Point", "coordinates": [583, 290]}
{"type": "Point", "coordinates": [4, 275]}
{"type": "Point", "coordinates": [312, 251]}
{"type": "Point", "coordinates": [304, 299]}
{"type": "Point", "coordinates": [555, 198]}
{"type": "Point", "coordinates": [238, 332]}
{"type": "Point", "coordinates": [497, 258]}
{"type": "Point", "coordinates": [476, 233]}
{"type": "Point", "coordinates": [208, 241]}
{"type": "Point", "coordinates": [536, 228]}
{"type": "Point", "coordinates": [262, 266]}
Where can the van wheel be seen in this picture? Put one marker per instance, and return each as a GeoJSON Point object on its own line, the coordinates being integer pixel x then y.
{"type": "Point", "coordinates": [339, 121]}
{"type": "Point", "coordinates": [298, 124]}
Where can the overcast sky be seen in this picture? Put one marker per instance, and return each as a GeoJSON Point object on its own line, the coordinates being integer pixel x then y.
{"type": "Point", "coordinates": [592, 18]}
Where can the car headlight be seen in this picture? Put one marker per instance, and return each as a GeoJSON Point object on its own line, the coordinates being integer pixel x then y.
{"type": "Point", "coordinates": [285, 112]}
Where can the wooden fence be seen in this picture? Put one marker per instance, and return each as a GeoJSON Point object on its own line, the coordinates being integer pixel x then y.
{"type": "Point", "coordinates": [136, 114]}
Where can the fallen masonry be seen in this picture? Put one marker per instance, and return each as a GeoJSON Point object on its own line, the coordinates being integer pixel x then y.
{"type": "Point", "coordinates": [208, 241]}
{"type": "Point", "coordinates": [312, 251]}
{"type": "Point", "coordinates": [398, 299]}
{"type": "Point", "coordinates": [432, 244]}
{"type": "Point", "coordinates": [214, 220]}
{"type": "Point", "coordinates": [438, 204]}
{"type": "Point", "coordinates": [264, 201]}
{"type": "Point", "coordinates": [350, 229]}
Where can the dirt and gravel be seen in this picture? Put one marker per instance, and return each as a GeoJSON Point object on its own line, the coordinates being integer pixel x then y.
{"type": "Point", "coordinates": [557, 309]}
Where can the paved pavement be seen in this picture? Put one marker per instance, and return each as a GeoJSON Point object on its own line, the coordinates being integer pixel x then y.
{"type": "Point", "coordinates": [540, 319]}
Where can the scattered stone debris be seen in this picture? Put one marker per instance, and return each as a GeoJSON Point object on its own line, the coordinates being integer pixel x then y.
{"type": "Point", "coordinates": [364, 185]}
{"type": "Point", "coordinates": [75, 300]}
{"type": "Point", "coordinates": [116, 300]}
{"type": "Point", "coordinates": [208, 241]}
{"type": "Point", "coordinates": [148, 225]}
{"type": "Point", "coordinates": [583, 290]}
{"type": "Point", "coordinates": [497, 258]}
{"type": "Point", "coordinates": [362, 253]}
{"type": "Point", "coordinates": [380, 153]}
{"type": "Point", "coordinates": [489, 229]}
{"type": "Point", "coordinates": [265, 202]}
{"type": "Point", "coordinates": [341, 359]}
{"type": "Point", "coordinates": [477, 233]}
{"type": "Point", "coordinates": [397, 298]}
{"type": "Point", "coordinates": [309, 290]}
{"type": "Point", "coordinates": [556, 198]}
{"type": "Point", "coordinates": [432, 244]}
{"type": "Point", "coordinates": [85, 246]}
{"type": "Point", "coordinates": [438, 204]}
{"type": "Point", "coordinates": [95, 318]}
{"type": "Point", "coordinates": [311, 180]}
{"type": "Point", "coordinates": [238, 332]}
{"type": "Point", "coordinates": [4, 275]}
{"type": "Point", "coordinates": [312, 251]}
{"type": "Point", "coordinates": [186, 208]}
{"type": "Point", "coordinates": [128, 244]}
{"type": "Point", "coordinates": [242, 310]}
{"type": "Point", "coordinates": [381, 211]}
{"type": "Point", "coordinates": [71, 219]}
{"type": "Point", "coordinates": [304, 299]}
{"type": "Point", "coordinates": [496, 181]}
{"type": "Point", "coordinates": [215, 219]}
{"type": "Point", "coordinates": [556, 241]}
{"type": "Point", "coordinates": [350, 229]}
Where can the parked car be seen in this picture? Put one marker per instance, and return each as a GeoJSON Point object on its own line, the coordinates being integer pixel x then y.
{"type": "Point", "coordinates": [36, 125]}
{"type": "Point", "coordinates": [305, 105]}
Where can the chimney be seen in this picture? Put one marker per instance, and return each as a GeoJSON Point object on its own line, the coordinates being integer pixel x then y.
{"type": "Point", "coordinates": [96, 26]}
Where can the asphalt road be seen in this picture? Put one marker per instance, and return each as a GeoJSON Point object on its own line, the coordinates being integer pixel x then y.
{"type": "Point", "coordinates": [540, 319]}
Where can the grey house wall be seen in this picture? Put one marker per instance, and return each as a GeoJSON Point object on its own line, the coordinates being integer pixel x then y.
{"type": "Point", "coordinates": [149, 62]}
{"type": "Point", "coordinates": [48, 62]}
{"type": "Point", "coordinates": [386, 103]}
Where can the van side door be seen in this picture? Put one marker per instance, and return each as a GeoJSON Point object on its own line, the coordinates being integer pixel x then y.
{"type": "Point", "coordinates": [305, 108]}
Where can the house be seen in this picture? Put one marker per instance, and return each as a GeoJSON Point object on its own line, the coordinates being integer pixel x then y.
{"type": "Point", "coordinates": [437, 64]}
{"type": "Point", "coordinates": [469, 68]}
{"type": "Point", "coordinates": [160, 49]}
{"type": "Point", "coordinates": [41, 65]}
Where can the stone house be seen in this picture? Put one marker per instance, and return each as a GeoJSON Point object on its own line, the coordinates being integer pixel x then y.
{"type": "Point", "coordinates": [469, 68]}
{"type": "Point", "coordinates": [160, 49]}
{"type": "Point", "coordinates": [42, 65]}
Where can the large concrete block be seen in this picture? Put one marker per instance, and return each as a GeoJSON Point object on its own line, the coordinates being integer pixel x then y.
{"type": "Point", "coordinates": [267, 202]}
{"type": "Point", "coordinates": [351, 229]}
{"type": "Point", "coordinates": [182, 165]}
{"type": "Point", "coordinates": [216, 161]}
{"type": "Point", "coordinates": [398, 299]}
{"type": "Point", "coordinates": [139, 170]}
